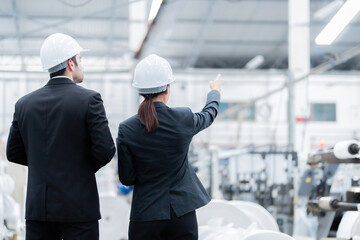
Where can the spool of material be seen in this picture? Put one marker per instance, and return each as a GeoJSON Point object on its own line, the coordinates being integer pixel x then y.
{"type": "Point", "coordinates": [114, 223]}
{"type": "Point", "coordinates": [341, 149]}
{"type": "Point", "coordinates": [267, 235]}
{"type": "Point", "coordinates": [7, 184]}
{"type": "Point", "coordinates": [218, 209]}
{"type": "Point", "coordinates": [327, 203]}
{"type": "Point", "coordinates": [349, 225]}
{"type": "Point", "coordinates": [257, 214]}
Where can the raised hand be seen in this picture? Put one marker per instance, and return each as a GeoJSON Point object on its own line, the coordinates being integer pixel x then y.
{"type": "Point", "coordinates": [215, 84]}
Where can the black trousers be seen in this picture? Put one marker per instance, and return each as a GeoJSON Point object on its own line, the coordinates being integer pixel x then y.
{"type": "Point", "coordinates": [177, 228]}
{"type": "Point", "coordinates": [38, 230]}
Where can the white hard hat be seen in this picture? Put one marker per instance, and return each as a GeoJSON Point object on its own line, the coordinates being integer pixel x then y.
{"type": "Point", "coordinates": [152, 75]}
{"type": "Point", "coordinates": [56, 50]}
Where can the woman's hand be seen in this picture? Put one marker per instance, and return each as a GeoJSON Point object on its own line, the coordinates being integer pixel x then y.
{"type": "Point", "coordinates": [215, 84]}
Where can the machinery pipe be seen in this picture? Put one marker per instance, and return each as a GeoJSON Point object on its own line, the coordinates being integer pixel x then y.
{"type": "Point", "coordinates": [330, 203]}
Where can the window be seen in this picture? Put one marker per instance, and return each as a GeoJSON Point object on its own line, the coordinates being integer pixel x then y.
{"type": "Point", "coordinates": [323, 112]}
{"type": "Point", "coordinates": [231, 111]}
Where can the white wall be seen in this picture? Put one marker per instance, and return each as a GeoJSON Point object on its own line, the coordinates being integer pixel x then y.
{"type": "Point", "coordinates": [270, 127]}
{"type": "Point", "coordinates": [190, 89]}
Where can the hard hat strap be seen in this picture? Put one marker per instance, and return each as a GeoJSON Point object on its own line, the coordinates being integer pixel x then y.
{"type": "Point", "coordinates": [152, 90]}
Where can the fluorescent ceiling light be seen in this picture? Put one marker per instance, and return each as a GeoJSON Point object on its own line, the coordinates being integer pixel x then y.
{"type": "Point", "coordinates": [341, 19]}
{"type": "Point", "coordinates": [255, 62]}
{"type": "Point", "coordinates": [155, 6]}
{"type": "Point", "coordinates": [328, 10]}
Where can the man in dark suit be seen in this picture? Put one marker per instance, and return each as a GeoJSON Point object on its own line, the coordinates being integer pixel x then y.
{"type": "Point", "coordinates": [61, 133]}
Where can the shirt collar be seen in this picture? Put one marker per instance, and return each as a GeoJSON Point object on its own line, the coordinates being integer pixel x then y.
{"type": "Point", "coordinates": [61, 77]}
{"type": "Point", "coordinates": [60, 80]}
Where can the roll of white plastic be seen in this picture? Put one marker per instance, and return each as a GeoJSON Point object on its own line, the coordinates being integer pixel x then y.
{"type": "Point", "coordinates": [114, 223]}
{"type": "Point", "coordinates": [7, 184]}
{"type": "Point", "coordinates": [267, 235]}
{"type": "Point", "coordinates": [2, 232]}
{"type": "Point", "coordinates": [237, 220]}
{"type": "Point", "coordinates": [257, 214]}
{"type": "Point", "coordinates": [341, 149]}
{"type": "Point", "coordinates": [349, 225]}
{"type": "Point", "coordinates": [219, 209]}
{"type": "Point", "coordinates": [222, 233]}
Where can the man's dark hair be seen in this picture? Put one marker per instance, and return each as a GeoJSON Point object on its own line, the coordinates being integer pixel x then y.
{"type": "Point", "coordinates": [62, 71]}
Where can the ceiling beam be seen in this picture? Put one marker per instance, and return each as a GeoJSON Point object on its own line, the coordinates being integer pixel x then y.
{"type": "Point", "coordinates": [200, 38]}
{"type": "Point", "coordinates": [280, 42]}
{"type": "Point", "coordinates": [4, 15]}
{"type": "Point", "coordinates": [35, 52]}
{"type": "Point", "coordinates": [63, 21]}
{"type": "Point", "coordinates": [229, 42]}
{"type": "Point", "coordinates": [284, 22]}
{"type": "Point", "coordinates": [61, 18]}
{"type": "Point", "coordinates": [322, 68]}
{"type": "Point", "coordinates": [77, 36]}
{"type": "Point", "coordinates": [234, 22]}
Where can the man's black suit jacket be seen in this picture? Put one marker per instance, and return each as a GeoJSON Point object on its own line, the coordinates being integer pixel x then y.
{"type": "Point", "coordinates": [157, 162]}
{"type": "Point", "coordinates": [61, 133]}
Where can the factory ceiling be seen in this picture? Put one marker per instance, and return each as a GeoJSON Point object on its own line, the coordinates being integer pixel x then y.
{"type": "Point", "coordinates": [189, 33]}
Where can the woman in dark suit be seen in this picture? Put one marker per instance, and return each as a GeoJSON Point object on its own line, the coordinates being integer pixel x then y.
{"type": "Point", "coordinates": [153, 156]}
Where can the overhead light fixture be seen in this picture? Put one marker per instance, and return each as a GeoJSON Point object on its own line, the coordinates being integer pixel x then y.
{"type": "Point", "coordinates": [329, 9]}
{"type": "Point", "coordinates": [341, 19]}
{"type": "Point", "coordinates": [255, 62]}
{"type": "Point", "coordinates": [155, 6]}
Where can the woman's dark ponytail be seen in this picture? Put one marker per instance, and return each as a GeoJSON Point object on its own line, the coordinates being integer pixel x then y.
{"type": "Point", "coordinates": [147, 113]}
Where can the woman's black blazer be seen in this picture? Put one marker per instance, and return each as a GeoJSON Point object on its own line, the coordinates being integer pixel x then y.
{"type": "Point", "coordinates": [157, 164]}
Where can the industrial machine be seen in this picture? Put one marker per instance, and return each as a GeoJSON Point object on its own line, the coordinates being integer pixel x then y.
{"type": "Point", "coordinates": [331, 188]}
{"type": "Point", "coordinates": [260, 175]}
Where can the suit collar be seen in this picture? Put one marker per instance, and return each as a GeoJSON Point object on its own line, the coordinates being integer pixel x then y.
{"type": "Point", "coordinates": [160, 104]}
{"type": "Point", "coordinates": [60, 80]}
